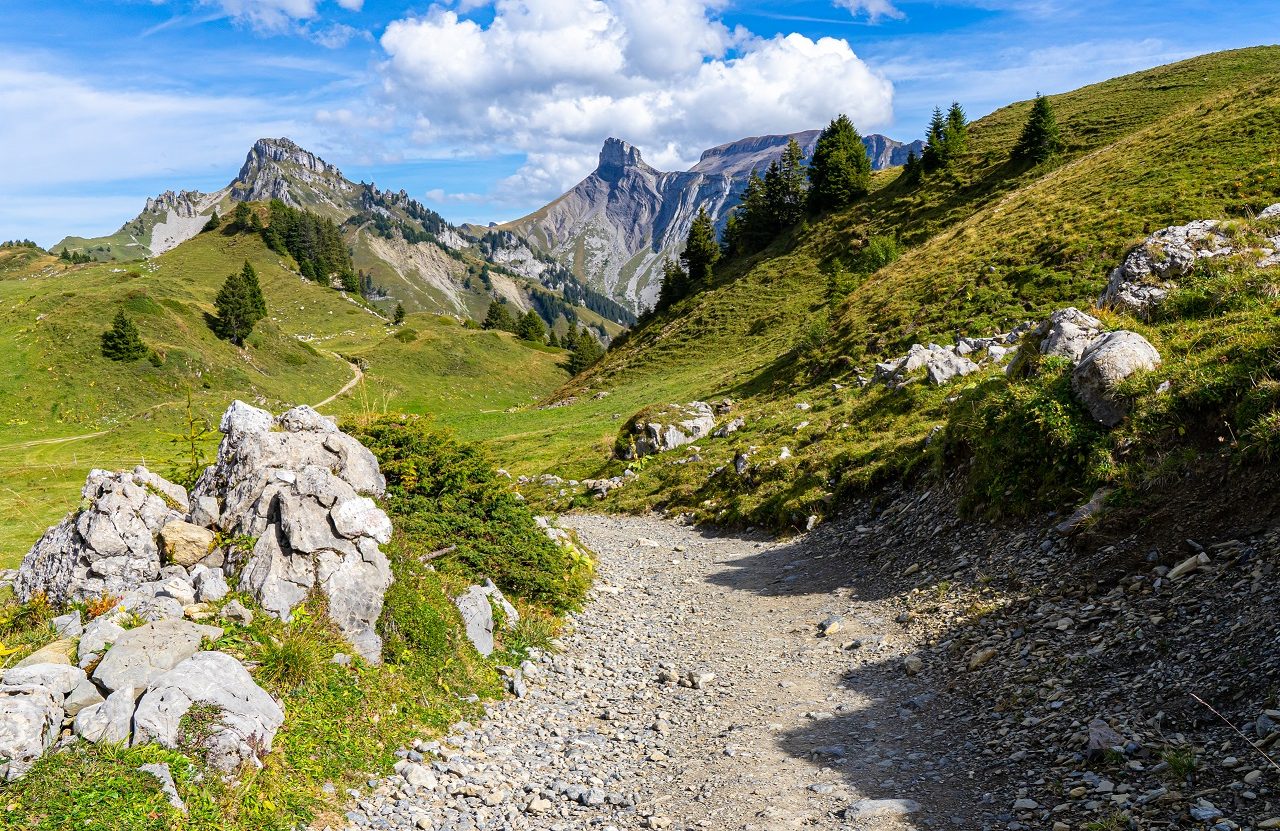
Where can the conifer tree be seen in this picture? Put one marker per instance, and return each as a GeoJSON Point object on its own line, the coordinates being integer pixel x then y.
{"type": "Point", "coordinates": [675, 285]}
{"type": "Point", "coordinates": [499, 318]}
{"type": "Point", "coordinates": [240, 218]}
{"type": "Point", "coordinates": [398, 318]}
{"type": "Point", "coordinates": [240, 306]}
{"type": "Point", "coordinates": [213, 223]}
{"type": "Point", "coordinates": [701, 251]}
{"type": "Point", "coordinates": [585, 351]}
{"type": "Point", "coordinates": [955, 135]}
{"type": "Point", "coordinates": [840, 171]}
{"type": "Point", "coordinates": [1040, 139]}
{"type": "Point", "coordinates": [934, 155]}
{"type": "Point", "coordinates": [911, 170]}
{"type": "Point", "coordinates": [531, 328]}
{"type": "Point", "coordinates": [122, 342]}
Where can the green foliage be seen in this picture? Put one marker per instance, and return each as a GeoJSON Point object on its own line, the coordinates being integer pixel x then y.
{"type": "Point", "coordinates": [1031, 444]}
{"type": "Point", "coordinates": [498, 317]}
{"type": "Point", "coordinates": [240, 304]}
{"type": "Point", "coordinates": [212, 224]}
{"type": "Point", "coordinates": [398, 318]}
{"type": "Point", "coordinates": [76, 257]}
{"type": "Point", "coordinates": [191, 445]}
{"type": "Point", "coordinates": [701, 251]}
{"type": "Point", "coordinates": [840, 171]}
{"type": "Point", "coordinates": [442, 492]}
{"type": "Point", "coordinates": [1040, 139]}
{"type": "Point", "coordinates": [584, 351]}
{"type": "Point", "coordinates": [675, 284]}
{"type": "Point", "coordinates": [531, 328]}
{"type": "Point", "coordinates": [406, 334]}
{"type": "Point", "coordinates": [122, 342]}
{"type": "Point", "coordinates": [769, 205]}
{"type": "Point", "coordinates": [314, 241]}
{"type": "Point", "coordinates": [240, 217]}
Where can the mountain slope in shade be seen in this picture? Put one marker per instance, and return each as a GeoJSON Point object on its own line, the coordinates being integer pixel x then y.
{"type": "Point", "coordinates": [617, 227]}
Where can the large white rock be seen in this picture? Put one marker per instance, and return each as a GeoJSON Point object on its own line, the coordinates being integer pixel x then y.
{"type": "Point", "coordinates": [674, 426]}
{"type": "Point", "coordinates": [1110, 359]}
{"type": "Point", "coordinates": [107, 546]}
{"type": "Point", "coordinates": [476, 605]}
{"type": "Point", "coordinates": [246, 717]}
{"type": "Point", "coordinates": [108, 721]}
{"type": "Point", "coordinates": [29, 721]}
{"type": "Point", "coordinates": [58, 679]}
{"type": "Point", "coordinates": [149, 651]}
{"type": "Point", "coordinates": [1144, 279]}
{"type": "Point", "coordinates": [301, 486]}
{"type": "Point", "coordinates": [1067, 333]}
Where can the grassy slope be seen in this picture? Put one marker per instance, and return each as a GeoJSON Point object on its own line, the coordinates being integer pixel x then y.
{"type": "Point", "coordinates": [988, 244]}
{"type": "Point", "coordinates": [57, 386]}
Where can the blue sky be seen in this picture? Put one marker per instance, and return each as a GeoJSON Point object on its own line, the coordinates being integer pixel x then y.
{"type": "Point", "coordinates": [486, 110]}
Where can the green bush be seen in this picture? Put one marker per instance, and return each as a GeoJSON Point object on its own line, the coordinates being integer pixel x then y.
{"type": "Point", "coordinates": [442, 493]}
{"type": "Point", "coordinates": [406, 335]}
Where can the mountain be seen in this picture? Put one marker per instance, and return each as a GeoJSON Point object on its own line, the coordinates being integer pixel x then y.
{"type": "Point", "coordinates": [409, 253]}
{"type": "Point", "coordinates": [617, 227]}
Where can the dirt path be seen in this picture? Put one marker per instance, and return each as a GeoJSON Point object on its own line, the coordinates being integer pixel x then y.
{"type": "Point", "coordinates": [61, 440]}
{"type": "Point", "coordinates": [695, 691]}
{"type": "Point", "coordinates": [357, 377]}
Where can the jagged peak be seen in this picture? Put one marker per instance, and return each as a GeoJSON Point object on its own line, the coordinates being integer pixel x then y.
{"type": "Point", "coordinates": [282, 150]}
{"type": "Point", "coordinates": [617, 157]}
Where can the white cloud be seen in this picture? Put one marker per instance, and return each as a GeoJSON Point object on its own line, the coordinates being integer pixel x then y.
{"type": "Point", "coordinates": [873, 9]}
{"type": "Point", "coordinates": [553, 78]}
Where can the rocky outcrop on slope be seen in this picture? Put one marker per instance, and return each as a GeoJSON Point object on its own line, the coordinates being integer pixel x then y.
{"type": "Point", "coordinates": [666, 429]}
{"type": "Point", "coordinates": [276, 168]}
{"type": "Point", "coordinates": [943, 364]}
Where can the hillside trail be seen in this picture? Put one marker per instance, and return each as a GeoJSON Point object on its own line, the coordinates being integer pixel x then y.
{"type": "Point", "coordinates": [60, 440]}
{"type": "Point", "coordinates": [356, 377]}
{"type": "Point", "coordinates": [696, 690]}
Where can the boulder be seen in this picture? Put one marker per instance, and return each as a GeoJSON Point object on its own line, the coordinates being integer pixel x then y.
{"type": "Point", "coordinates": [211, 584]}
{"type": "Point", "coordinates": [109, 546]}
{"type": "Point", "coordinates": [244, 718]}
{"type": "Point", "coordinates": [85, 694]}
{"type": "Point", "coordinates": [942, 364]}
{"type": "Point", "coordinates": [1143, 280]}
{"type": "Point", "coordinates": [141, 654]}
{"type": "Point", "coordinates": [68, 625]}
{"type": "Point", "coordinates": [58, 652]}
{"type": "Point", "coordinates": [729, 428]}
{"type": "Point", "coordinates": [1067, 333]}
{"type": "Point", "coordinates": [29, 722]}
{"type": "Point", "coordinates": [673, 426]}
{"type": "Point", "coordinates": [110, 721]}
{"type": "Point", "coordinates": [301, 486]}
{"type": "Point", "coordinates": [185, 544]}
{"type": "Point", "coordinates": [1110, 359]}
{"type": "Point", "coordinates": [101, 632]}
{"type": "Point", "coordinates": [477, 607]}
{"type": "Point", "coordinates": [58, 679]}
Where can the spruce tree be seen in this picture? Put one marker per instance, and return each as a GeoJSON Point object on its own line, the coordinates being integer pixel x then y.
{"type": "Point", "coordinates": [701, 251]}
{"type": "Point", "coordinates": [911, 170]}
{"type": "Point", "coordinates": [213, 223]}
{"type": "Point", "coordinates": [840, 171]}
{"type": "Point", "coordinates": [934, 155]}
{"type": "Point", "coordinates": [1040, 139]}
{"type": "Point", "coordinates": [675, 285]}
{"type": "Point", "coordinates": [240, 218]}
{"type": "Point", "coordinates": [398, 318]}
{"type": "Point", "coordinates": [531, 328]}
{"type": "Point", "coordinates": [955, 135]}
{"type": "Point", "coordinates": [552, 340]}
{"type": "Point", "coordinates": [586, 351]}
{"type": "Point", "coordinates": [122, 342]}
{"type": "Point", "coordinates": [499, 318]}
{"type": "Point", "coordinates": [240, 306]}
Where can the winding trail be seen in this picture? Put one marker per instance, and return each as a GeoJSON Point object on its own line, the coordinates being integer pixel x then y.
{"type": "Point", "coordinates": [696, 691]}
{"type": "Point", "coordinates": [357, 377]}
{"type": "Point", "coordinates": [60, 440]}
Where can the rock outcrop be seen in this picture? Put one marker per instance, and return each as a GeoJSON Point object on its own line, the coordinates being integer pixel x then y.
{"type": "Point", "coordinates": [944, 364]}
{"type": "Point", "coordinates": [670, 427]}
{"type": "Point", "coordinates": [300, 486]}
{"type": "Point", "coordinates": [1067, 333]}
{"type": "Point", "coordinates": [29, 721]}
{"type": "Point", "coordinates": [110, 545]}
{"type": "Point", "coordinates": [1110, 359]}
{"type": "Point", "coordinates": [476, 605]}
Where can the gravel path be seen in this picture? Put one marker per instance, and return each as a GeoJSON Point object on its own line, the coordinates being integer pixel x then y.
{"type": "Point", "coordinates": [697, 691]}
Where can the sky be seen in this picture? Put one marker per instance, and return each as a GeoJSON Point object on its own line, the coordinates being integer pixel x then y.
{"type": "Point", "coordinates": [485, 111]}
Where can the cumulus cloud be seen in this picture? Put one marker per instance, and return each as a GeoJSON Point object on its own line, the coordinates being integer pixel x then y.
{"type": "Point", "coordinates": [873, 9]}
{"type": "Point", "coordinates": [552, 78]}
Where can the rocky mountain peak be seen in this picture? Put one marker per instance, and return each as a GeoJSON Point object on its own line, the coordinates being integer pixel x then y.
{"type": "Point", "coordinates": [616, 158]}
{"type": "Point", "coordinates": [276, 168]}
{"type": "Point", "coordinates": [284, 151]}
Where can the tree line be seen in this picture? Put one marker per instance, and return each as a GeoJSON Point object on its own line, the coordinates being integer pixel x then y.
{"type": "Point", "coordinates": [584, 349]}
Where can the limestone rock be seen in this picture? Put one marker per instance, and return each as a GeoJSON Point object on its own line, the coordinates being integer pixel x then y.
{"type": "Point", "coordinates": [109, 721]}
{"type": "Point", "coordinates": [1067, 333]}
{"type": "Point", "coordinates": [58, 679]}
{"type": "Point", "coordinates": [183, 543]}
{"type": "Point", "coordinates": [142, 654]}
{"type": "Point", "coordinates": [1109, 360]}
{"type": "Point", "coordinates": [477, 606]}
{"type": "Point", "coordinates": [247, 717]}
{"type": "Point", "coordinates": [300, 486]}
{"type": "Point", "coordinates": [29, 721]}
{"type": "Point", "coordinates": [1144, 279]}
{"type": "Point", "coordinates": [84, 695]}
{"type": "Point", "coordinates": [107, 547]}
{"type": "Point", "coordinates": [210, 584]}
{"type": "Point", "coordinates": [58, 652]}
{"type": "Point", "coordinates": [673, 426]}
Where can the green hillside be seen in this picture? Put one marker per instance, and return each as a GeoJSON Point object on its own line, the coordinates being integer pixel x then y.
{"type": "Point", "coordinates": [986, 244]}
{"type": "Point", "coordinates": [64, 408]}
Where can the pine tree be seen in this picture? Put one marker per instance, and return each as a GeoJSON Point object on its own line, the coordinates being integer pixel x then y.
{"type": "Point", "coordinates": [912, 169]}
{"type": "Point", "coordinates": [934, 155]}
{"type": "Point", "coordinates": [955, 135]}
{"type": "Point", "coordinates": [240, 306]}
{"type": "Point", "coordinates": [122, 342]}
{"type": "Point", "coordinates": [240, 218]}
{"type": "Point", "coordinates": [398, 317]}
{"type": "Point", "coordinates": [585, 351]}
{"type": "Point", "coordinates": [787, 199]}
{"type": "Point", "coordinates": [499, 318]}
{"type": "Point", "coordinates": [675, 285]}
{"type": "Point", "coordinates": [254, 289]}
{"type": "Point", "coordinates": [213, 223]}
{"type": "Point", "coordinates": [840, 171]}
{"type": "Point", "coordinates": [65, 255]}
{"type": "Point", "coordinates": [701, 251]}
{"type": "Point", "coordinates": [531, 328]}
{"type": "Point", "coordinates": [1040, 139]}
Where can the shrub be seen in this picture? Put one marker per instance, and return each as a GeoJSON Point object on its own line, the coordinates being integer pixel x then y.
{"type": "Point", "coordinates": [442, 492]}
{"type": "Point", "coordinates": [406, 335]}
